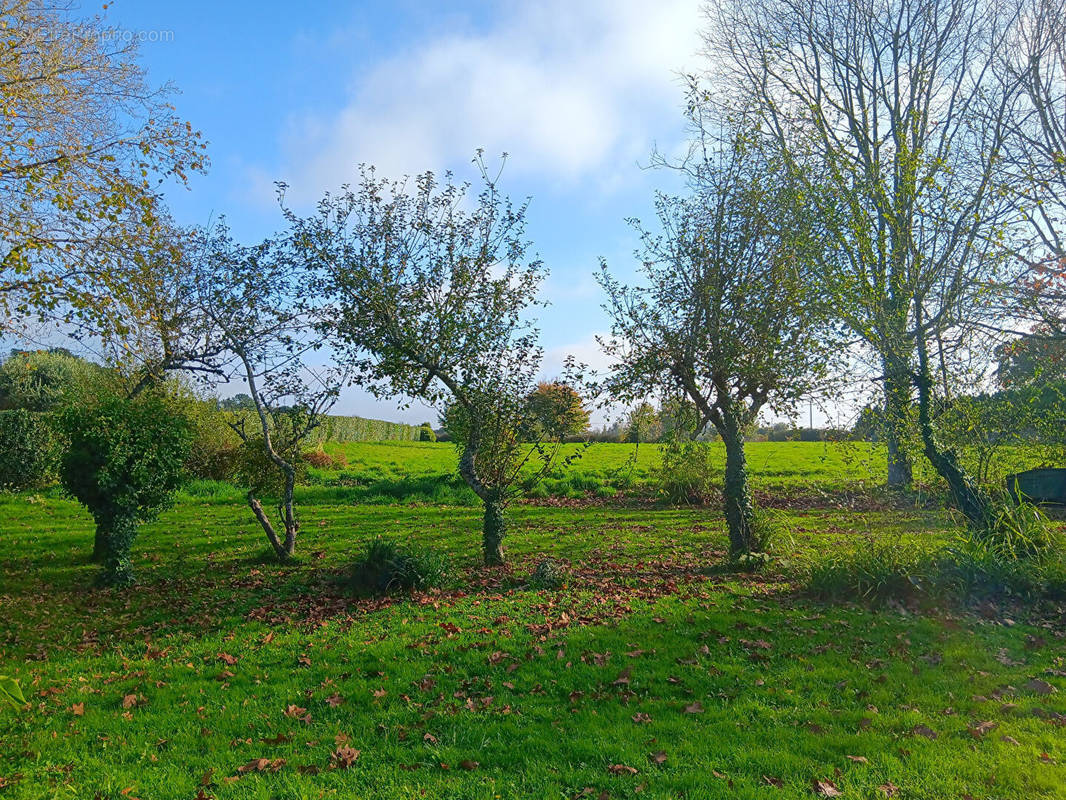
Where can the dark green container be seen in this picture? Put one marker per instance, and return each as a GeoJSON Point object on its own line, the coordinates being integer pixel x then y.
{"type": "Point", "coordinates": [1043, 485]}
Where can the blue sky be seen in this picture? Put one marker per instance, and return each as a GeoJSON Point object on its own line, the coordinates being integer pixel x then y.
{"type": "Point", "coordinates": [577, 93]}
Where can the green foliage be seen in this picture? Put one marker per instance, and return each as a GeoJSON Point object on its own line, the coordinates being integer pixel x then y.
{"type": "Point", "coordinates": [29, 450]}
{"type": "Point", "coordinates": [687, 475]}
{"type": "Point", "coordinates": [255, 471]}
{"type": "Point", "coordinates": [557, 411]}
{"type": "Point", "coordinates": [124, 461]}
{"type": "Point", "coordinates": [358, 429]}
{"type": "Point", "coordinates": [875, 570]}
{"type": "Point", "coordinates": [426, 433]}
{"type": "Point", "coordinates": [214, 444]}
{"type": "Point", "coordinates": [46, 380]}
{"type": "Point", "coordinates": [1037, 358]}
{"type": "Point", "coordinates": [11, 692]}
{"type": "Point", "coordinates": [642, 424]}
{"type": "Point", "coordinates": [1021, 559]}
{"type": "Point", "coordinates": [387, 567]}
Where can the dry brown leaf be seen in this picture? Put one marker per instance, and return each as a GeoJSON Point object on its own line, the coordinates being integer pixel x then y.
{"type": "Point", "coordinates": [825, 788]}
{"type": "Point", "coordinates": [343, 757]}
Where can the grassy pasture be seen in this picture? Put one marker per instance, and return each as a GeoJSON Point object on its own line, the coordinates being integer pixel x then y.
{"type": "Point", "coordinates": [652, 674]}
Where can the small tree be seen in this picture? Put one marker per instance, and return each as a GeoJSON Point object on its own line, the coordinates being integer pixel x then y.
{"type": "Point", "coordinates": [251, 298]}
{"type": "Point", "coordinates": [642, 424]}
{"type": "Point", "coordinates": [430, 300]}
{"type": "Point", "coordinates": [727, 315]}
{"type": "Point", "coordinates": [124, 461]}
{"type": "Point", "coordinates": [557, 410]}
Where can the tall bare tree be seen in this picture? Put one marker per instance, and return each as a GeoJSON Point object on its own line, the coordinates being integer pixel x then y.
{"type": "Point", "coordinates": [892, 107]}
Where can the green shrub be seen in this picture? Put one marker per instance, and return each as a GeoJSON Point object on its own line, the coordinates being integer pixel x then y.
{"type": "Point", "coordinates": [29, 450]}
{"type": "Point", "coordinates": [426, 433]}
{"type": "Point", "coordinates": [124, 461]}
{"type": "Point", "coordinates": [253, 469]}
{"type": "Point", "coordinates": [975, 566]}
{"type": "Point", "coordinates": [387, 566]}
{"type": "Point", "coordinates": [213, 450]}
{"type": "Point", "coordinates": [687, 476]}
{"type": "Point", "coordinates": [47, 380]}
{"type": "Point", "coordinates": [548, 574]}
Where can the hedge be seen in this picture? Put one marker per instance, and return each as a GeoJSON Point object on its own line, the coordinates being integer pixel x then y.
{"type": "Point", "coordinates": [359, 429]}
{"type": "Point", "coordinates": [29, 450]}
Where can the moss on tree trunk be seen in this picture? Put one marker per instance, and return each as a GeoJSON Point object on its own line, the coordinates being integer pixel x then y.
{"type": "Point", "coordinates": [117, 534]}
{"type": "Point", "coordinates": [493, 529]}
{"type": "Point", "coordinates": [739, 510]}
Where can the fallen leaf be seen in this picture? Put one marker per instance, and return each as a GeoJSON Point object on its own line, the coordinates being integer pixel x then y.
{"type": "Point", "coordinates": [694, 708]}
{"type": "Point", "coordinates": [621, 769]}
{"type": "Point", "coordinates": [343, 757]}
{"type": "Point", "coordinates": [981, 728]}
{"type": "Point", "coordinates": [78, 709]}
{"type": "Point", "coordinates": [469, 765]}
{"type": "Point", "coordinates": [1039, 686]}
{"type": "Point", "coordinates": [262, 765]}
{"type": "Point", "coordinates": [858, 759]}
{"type": "Point", "coordinates": [658, 759]}
{"type": "Point", "coordinates": [825, 788]}
{"type": "Point", "coordinates": [923, 730]}
{"type": "Point", "coordinates": [888, 789]}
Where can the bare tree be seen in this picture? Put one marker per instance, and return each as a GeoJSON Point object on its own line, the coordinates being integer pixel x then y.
{"type": "Point", "coordinates": [252, 298]}
{"type": "Point", "coordinates": [890, 106]}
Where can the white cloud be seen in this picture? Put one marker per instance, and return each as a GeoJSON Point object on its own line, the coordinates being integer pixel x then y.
{"type": "Point", "coordinates": [572, 91]}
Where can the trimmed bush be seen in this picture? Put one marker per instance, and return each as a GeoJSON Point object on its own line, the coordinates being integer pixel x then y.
{"type": "Point", "coordinates": [124, 461]}
{"type": "Point", "coordinates": [358, 429]}
{"type": "Point", "coordinates": [426, 433]}
{"type": "Point", "coordinates": [387, 567]}
{"type": "Point", "coordinates": [29, 450]}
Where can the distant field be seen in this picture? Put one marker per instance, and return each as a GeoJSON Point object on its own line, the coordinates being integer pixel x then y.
{"type": "Point", "coordinates": [427, 471]}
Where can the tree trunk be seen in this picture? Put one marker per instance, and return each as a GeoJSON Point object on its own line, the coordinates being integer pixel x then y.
{"type": "Point", "coordinates": [973, 501]}
{"type": "Point", "coordinates": [118, 534]}
{"type": "Point", "coordinates": [492, 532]}
{"type": "Point", "coordinates": [100, 544]}
{"type": "Point", "coordinates": [283, 550]}
{"type": "Point", "coordinates": [739, 511]}
{"type": "Point", "coordinates": [897, 402]}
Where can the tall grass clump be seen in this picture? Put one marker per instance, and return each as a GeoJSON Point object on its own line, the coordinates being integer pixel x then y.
{"type": "Point", "coordinates": [386, 567]}
{"type": "Point", "coordinates": [1018, 557]}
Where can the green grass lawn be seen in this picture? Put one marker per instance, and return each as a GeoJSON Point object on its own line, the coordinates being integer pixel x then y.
{"type": "Point", "coordinates": [652, 674]}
